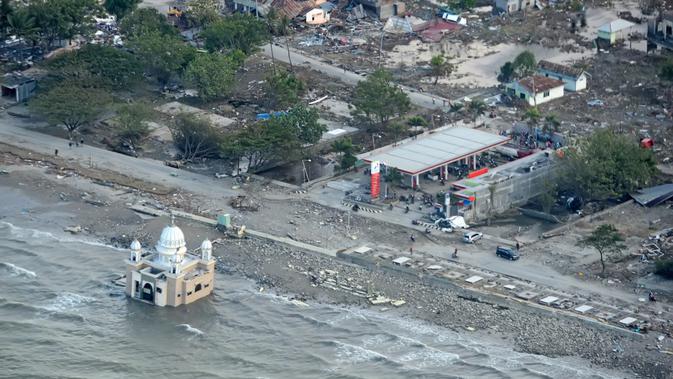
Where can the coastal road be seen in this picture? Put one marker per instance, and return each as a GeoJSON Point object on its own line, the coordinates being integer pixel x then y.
{"type": "Point", "coordinates": [17, 132]}
{"type": "Point", "coordinates": [423, 100]}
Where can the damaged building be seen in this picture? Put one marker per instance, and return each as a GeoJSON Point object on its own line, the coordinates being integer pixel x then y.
{"type": "Point", "coordinates": [384, 9]}
{"type": "Point", "coordinates": [660, 31]}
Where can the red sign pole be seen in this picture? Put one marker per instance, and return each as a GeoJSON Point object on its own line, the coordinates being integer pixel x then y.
{"type": "Point", "coordinates": [376, 179]}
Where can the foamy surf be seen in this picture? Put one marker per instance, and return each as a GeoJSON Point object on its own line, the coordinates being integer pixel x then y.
{"type": "Point", "coordinates": [190, 329]}
{"type": "Point", "coordinates": [15, 270]}
{"type": "Point", "coordinates": [27, 233]}
{"type": "Point", "coordinates": [67, 302]}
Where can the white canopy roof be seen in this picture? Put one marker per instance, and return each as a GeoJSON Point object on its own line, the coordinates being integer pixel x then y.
{"type": "Point", "coordinates": [436, 149]}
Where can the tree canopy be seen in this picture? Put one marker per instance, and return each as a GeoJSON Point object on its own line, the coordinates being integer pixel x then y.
{"type": "Point", "coordinates": [62, 19]}
{"type": "Point", "coordinates": [523, 65]}
{"type": "Point", "coordinates": [212, 74]}
{"type": "Point", "coordinates": [607, 165]}
{"type": "Point", "coordinates": [97, 65]}
{"type": "Point", "coordinates": [163, 55]}
{"type": "Point", "coordinates": [70, 105]}
{"type": "Point", "coordinates": [196, 137]}
{"type": "Point", "coordinates": [144, 21]}
{"type": "Point", "coordinates": [284, 89]}
{"type": "Point", "coordinates": [440, 67]}
{"type": "Point", "coordinates": [237, 32]}
{"type": "Point", "coordinates": [132, 120]}
{"type": "Point", "coordinates": [606, 239]}
{"type": "Point", "coordinates": [120, 8]}
{"type": "Point", "coordinates": [378, 99]}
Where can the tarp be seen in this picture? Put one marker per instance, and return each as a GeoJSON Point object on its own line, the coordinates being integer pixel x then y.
{"type": "Point", "coordinates": [652, 196]}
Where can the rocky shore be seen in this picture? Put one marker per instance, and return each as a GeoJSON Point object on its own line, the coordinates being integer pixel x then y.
{"type": "Point", "coordinates": [286, 271]}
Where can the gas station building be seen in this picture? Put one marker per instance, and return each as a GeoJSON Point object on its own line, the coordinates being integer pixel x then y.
{"type": "Point", "coordinates": [435, 151]}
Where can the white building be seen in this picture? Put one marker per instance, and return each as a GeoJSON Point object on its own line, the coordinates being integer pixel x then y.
{"type": "Point", "coordinates": [317, 16]}
{"type": "Point", "coordinates": [169, 275]}
{"type": "Point", "coordinates": [575, 79]}
{"type": "Point", "coordinates": [536, 89]}
{"type": "Point", "coordinates": [615, 30]}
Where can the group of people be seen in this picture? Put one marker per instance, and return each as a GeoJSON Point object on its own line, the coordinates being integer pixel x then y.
{"type": "Point", "coordinates": [70, 143]}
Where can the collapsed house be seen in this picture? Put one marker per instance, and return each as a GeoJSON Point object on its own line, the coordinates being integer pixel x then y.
{"type": "Point", "coordinates": [384, 9]}
{"type": "Point", "coordinates": [660, 31]}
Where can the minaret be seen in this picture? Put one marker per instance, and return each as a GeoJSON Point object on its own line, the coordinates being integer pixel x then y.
{"type": "Point", "coordinates": [135, 251]}
{"type": "Point", "coordinates": [206, 250]}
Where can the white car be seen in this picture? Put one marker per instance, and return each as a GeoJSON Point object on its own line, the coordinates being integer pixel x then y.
{"type": "Point", "coordinates": [472, 237]}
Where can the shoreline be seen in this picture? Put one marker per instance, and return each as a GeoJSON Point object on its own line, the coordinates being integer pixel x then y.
{"type": "Point", "coordinates": [283, 271]}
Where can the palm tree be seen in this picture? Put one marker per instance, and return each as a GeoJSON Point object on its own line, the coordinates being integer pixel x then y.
{"type": "Point", "coordinates": [22, 25]}
{"type": "Point", "coordinates": [5, 11]}
{"type": "Point", "coordinates": [533, 116]}
{"type": "Point", "coordinates": [477, 108]}
{"type": "Point", "coordinates": [271, 20]}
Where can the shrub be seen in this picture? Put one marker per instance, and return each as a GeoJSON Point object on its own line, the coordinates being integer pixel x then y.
{"type": "Point", "coordinates": [665, 268]}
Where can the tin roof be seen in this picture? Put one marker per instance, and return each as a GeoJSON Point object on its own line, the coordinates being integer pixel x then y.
{"type": "Point", "coordinates": [433, 150]}
{"type": "Point", "coordinates": [537, 83]}
{"type": "Point", "coordinates": [615, 26]}
{"type": "Point", "coordinates": [560, 69]}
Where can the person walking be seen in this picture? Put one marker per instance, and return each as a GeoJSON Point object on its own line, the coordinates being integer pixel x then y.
{"type": "Point", "coordinates": [517, 246]}
{"type": "Point", "coordinates": [56, 152]}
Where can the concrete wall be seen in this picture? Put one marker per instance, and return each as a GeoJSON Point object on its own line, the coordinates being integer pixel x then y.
{"type": "Point", "coordinates": [542, 97]}
{"type": "Point", "coordinates": [510, 192]}
{"type": "Point", "coordinates": [570, 83]}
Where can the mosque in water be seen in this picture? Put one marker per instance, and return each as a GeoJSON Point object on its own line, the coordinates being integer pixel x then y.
{"type": "Point", "coordinates": [169, 275]}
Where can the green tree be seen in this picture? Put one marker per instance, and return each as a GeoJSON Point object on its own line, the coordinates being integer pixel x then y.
{"type": "Point", "coordinates": [476, 108]}
{"type": "Point", "coordinates": [506, 73]}
{"type": "Point", "coordinates": [120, 8]}
{"type": "Point", "coordinates": [146, 21]}
{"type": "Point", "coordinates": [606, 239]}
{"type": "Point", "coordinates": [238, 32]}
{"type": "Point", "coordinates": [551, 124]}
{"type": "Point", "coordinates": [392, 175]}
{"type": "Point", "coordinates": [304, 123]}
{"type": "Point", "coordinates": [62, 19]}
{"type": "Point", "coordinates": [204, 12]}
{"type": "Point", "coordinates": [377, 99]}
{"type": "Point", "coordinates": [396, 129]}
{"type": "Point", "coordinates": [98, 66]}
{"type": "Point", "coordinates": [163, 55]}
{"type": "Point", "coordinates": [607, 165]}
{"type": "Point", "coordinates": [196, 137]}
{"type": "Point", "coordinates": [345, 148]}
{"type": "Point", "coordinates": [440, 67]}
{"type": "Point", "coordinates": [664, 267]}
{"type": "Point", "coordinates": [22, 24]}
{"type": "Point", "coordinates": [417, 121]}
{"type": "Point", "coordinates": [132, 120]}
{"type": "Point", "coordinates": [70, 105]}
{"type": "Point", "coordinates": [532, 116]}
{"type": "Point", "coordinates": [524, 64]}
{"type": "Point", "coordinates": [6, 9]}
{"type": "Point", "coordinates": [212, 74]}
{"type": "Point", "coordinates": [284, 89]}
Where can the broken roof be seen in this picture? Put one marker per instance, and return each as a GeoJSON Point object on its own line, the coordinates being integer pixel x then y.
{"type": "Point", "coordinates": [615, 26]}
{"type": "Point", "coordinates": [560, 69]}
{"type": "Point", "coordinates": [652, 196]}
{"type": "Point", "coordinates": [433, 150]}
{"type": "Point", "coordinates": [537, 83]}
{"type": "Point", "coordinates": [15, 79]}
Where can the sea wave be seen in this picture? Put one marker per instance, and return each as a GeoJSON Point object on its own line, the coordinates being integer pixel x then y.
{"type": "Point", "coordinates": [190, 329]}
{"type": "Point", "coordinates": [68, 301]}
{"type": "Point", "coordinates": [15, 270]}
{"type": "Point", "coordinates": [24, 234]}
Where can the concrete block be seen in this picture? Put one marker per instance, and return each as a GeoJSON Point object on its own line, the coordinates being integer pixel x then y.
{"type": "Point", "coordinates": [526, 295]}
{"type": "Point", "coordinates": [474, 279]}
{"type": "Point", "coordinates": [548, 300]}
{"type": "Point", "coordinates": [626, 321]}
{"type": "Point", "coordinates": [583, 308]}
{"type": "Point", "coordinates": [510, 287]}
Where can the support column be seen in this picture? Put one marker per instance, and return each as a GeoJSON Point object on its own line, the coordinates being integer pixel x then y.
{"type": "Point", "coordinates": [474, 162]}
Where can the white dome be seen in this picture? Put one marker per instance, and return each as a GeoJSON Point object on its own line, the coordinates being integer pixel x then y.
{"type": "Point", "coordinates": [172, 239]}
{"type": "Point", "coordinates": [206, 245]}
{"type": "Point", "coordinates": [135, 245]}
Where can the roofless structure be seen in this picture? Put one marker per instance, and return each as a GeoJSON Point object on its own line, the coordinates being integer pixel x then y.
{"type": "Point", "coordinates": [435, 151]}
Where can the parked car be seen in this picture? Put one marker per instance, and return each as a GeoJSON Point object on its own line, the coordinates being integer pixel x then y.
{"type": "Point", "coordinates": [472, 237]}
{"type": "Point", "coordinates": [507, 253]}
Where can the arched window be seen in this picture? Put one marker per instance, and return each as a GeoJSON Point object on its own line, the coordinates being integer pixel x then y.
{"type": "Point", "coordinates": [197, 288]}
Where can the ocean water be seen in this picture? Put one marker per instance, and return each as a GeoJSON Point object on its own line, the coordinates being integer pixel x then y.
{"type": "Point", "coordinates": [61, 317]}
